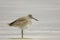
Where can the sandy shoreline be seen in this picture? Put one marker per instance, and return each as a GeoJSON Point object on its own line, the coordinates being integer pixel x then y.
{"type": "Point", "coordinates": [32, 39]}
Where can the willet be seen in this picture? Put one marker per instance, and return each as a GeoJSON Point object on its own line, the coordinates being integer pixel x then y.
{"type": "Point", "coordinates": [22, 22]}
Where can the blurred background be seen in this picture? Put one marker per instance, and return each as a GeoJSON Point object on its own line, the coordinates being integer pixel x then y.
{"type": "Point", "coordinates": [47, 11]}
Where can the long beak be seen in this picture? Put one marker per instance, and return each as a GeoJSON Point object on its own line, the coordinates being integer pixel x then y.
{"type": "Point", "coordinates": [35, 19]}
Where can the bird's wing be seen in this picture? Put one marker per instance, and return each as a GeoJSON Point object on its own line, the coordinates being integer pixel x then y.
{"type": "Point", "coordinates": [18, 20]}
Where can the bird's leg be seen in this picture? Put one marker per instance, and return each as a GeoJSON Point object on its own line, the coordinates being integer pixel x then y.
{"type": "Point", "coordinates": [22, 33]}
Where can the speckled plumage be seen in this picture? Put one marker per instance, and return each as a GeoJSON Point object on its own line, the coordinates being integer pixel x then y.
{"type": "Point", "coordinates": [21, 22]}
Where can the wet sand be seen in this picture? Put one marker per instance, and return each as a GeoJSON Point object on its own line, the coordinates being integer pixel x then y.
{"type": "Point", "coordinates": [32, 39]}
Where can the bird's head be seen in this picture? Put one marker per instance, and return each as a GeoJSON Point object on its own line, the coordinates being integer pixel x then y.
{"type": "Point", "coordinates": [30, 16]}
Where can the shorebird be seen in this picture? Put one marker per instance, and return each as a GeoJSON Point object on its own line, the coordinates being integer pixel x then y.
{"type": "Point", "coordinates": [22, 22]}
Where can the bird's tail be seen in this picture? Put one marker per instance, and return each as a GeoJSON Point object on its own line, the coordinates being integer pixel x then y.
{"type": "Point", "coordinates": [10, 24]}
